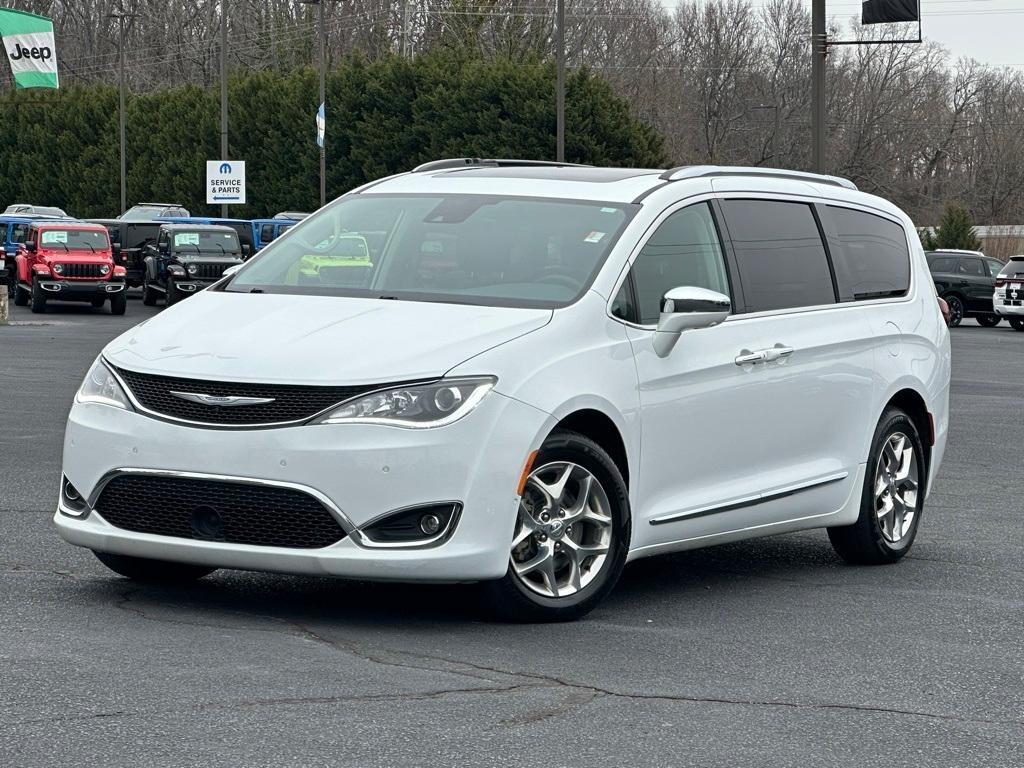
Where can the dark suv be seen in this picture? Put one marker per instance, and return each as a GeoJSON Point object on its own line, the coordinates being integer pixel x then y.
{"type": "Point", "coordinates": [186, 258]}
{"type": "Point", "coordinates": [966, 280]}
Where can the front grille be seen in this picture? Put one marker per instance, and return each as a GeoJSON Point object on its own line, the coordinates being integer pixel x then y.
{"type": "Point", "coordinates": [80, 271]}
{"type": "Point", "coordinates": [209, 271]}
{"type": "Point", "coordinates": [290, 402]}
{"type": "Point", "coordinates": [218, 510]}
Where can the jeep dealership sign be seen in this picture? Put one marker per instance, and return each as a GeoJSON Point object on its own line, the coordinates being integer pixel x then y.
{"type": "Point", "coordinates": [225, 182]}
{"type": "Point", "coordinates": [28, 40]}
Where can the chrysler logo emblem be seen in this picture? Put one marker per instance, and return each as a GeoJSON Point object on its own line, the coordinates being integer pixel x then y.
{"type": "Point", "coordinates": [223, 401]}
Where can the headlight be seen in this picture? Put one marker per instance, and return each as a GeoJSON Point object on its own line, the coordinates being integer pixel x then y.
{"type": "Point", "coordinates": [58, 269]}
{"type": "Point", "coordinates": [100, 386]}
{"type": "Point", "coordinates": [176, 270]}
{"type": "Point", "coordinates": [416, 407]}
{"type": "Point", "coordinates": [192, 269]}
{"type": "Point", "coordinates": [104, 269]}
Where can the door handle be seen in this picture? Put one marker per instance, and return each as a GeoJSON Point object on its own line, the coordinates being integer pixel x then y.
{"type": "Point", "coordinates": [747, 357]}
{"type": "Point", "coordinates": [769, 355]}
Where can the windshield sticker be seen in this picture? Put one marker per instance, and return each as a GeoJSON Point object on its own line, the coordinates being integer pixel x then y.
{"type": "Point", "coordinates": [54, 236]}
{"type": "Point", "coordinates": [186, 238]}
{"type": "Point", "coordinates": [609, 210]}
{"type": "Point", "coordinates": [594, 237]}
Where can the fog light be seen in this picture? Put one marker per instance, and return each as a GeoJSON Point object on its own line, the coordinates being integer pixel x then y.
{"type": "Point", "coordinates": [71, 502]}
{"type": "Point", "coordinates": [430, 524]}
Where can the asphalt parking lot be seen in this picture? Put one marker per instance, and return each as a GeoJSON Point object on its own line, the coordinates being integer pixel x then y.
{"type": "Point", "coordinates": [762, 653]}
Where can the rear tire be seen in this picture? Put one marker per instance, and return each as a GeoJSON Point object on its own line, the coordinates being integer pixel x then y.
{"type": "Point", "coordinates": [118, 303]}
{"type": "Point", "coordinates": [956, 309]}
{"type": "Point", "coordinates": [577, 542]}
{"type": "Point", "coordinates": [38, 298]}
{"type": "Point", "coordinates": [149, 295]}
{"type": "Point", "coordinates": [988, 321]}
{"type": "Point", "coordinates": [894, 487]}
{"type": "Point", "coordinates": [21, 296]}
{"type": "Point", "coordinates": [1017, 323]}
{"type": "Point", "coordinates": [152, 571]}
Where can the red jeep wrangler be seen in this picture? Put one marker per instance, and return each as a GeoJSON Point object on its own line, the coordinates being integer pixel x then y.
{"type": "Point", "coordinates": [68, 261]}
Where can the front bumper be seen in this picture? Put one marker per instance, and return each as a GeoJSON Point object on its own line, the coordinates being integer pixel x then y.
{"type": "Point", "coordinates": [72, 290]}
{"type": "Point", "coordinates": [364, 472]}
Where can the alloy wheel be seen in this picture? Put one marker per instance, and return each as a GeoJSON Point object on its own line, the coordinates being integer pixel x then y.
{"type": "Point", "coordinates": [896, 488]}
{"type": "Point", "coordinates": [563, 531]}
{"type": "Point", "coordinates": [956, 310]}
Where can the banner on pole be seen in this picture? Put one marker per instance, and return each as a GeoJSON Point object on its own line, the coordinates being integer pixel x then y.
{"type": "Point", "coordinates": [31, 51]}
{"type": "Point", "coordinates": [321, 126]}
{"type": "Point", "coordinates": [889, 11]}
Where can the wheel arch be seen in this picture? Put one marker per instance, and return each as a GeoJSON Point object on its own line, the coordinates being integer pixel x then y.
{"type": "Point", "coordinates": [602, 429]}
{"type": "Point", "coordinates": [911, 402]}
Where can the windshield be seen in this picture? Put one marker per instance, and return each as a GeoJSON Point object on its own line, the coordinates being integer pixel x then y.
{"type": "Point", "coordinates": [216, 242]}
{"type": "Point", "coordinates": [140, 213]}
{"type": "Point", "coordinates": [470, 249]}
{"type": "Point", "coordinates": [72, 239]}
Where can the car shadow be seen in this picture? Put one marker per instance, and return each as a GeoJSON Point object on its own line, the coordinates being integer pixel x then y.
{"type": "Point", "coordinates": [298, 599]}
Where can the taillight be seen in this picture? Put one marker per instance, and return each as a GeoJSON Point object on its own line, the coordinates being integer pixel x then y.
{"type": "Point", "coordinates": [1000, 282]}
{"type": "Point", "coordinates": [944, 308]}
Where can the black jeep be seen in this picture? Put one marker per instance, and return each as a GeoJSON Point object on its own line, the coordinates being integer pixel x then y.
{"type": "Point", "coordinates": [186, 258]}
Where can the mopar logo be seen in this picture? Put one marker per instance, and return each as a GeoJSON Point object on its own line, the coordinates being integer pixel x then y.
{"type": "Point", "coordinates": [225, 167]}
{"type": "Point", "coordinates": [19, 52]}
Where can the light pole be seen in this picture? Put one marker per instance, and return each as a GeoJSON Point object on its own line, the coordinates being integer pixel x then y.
{"type": "Point", "coordinates": [223, 91]}
{"type": "Point", "coordinates": [819, 48]}
{"type": "Point", "coordinates": [322, 32]}
{"type": "Point", "coordinates": [121, 17]}
{"type": "Point", "coordinates": [560, 82]}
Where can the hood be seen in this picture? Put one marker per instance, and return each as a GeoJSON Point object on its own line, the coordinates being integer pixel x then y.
{"type": "Point", "coordinates": [102, 256]}
{"type": "Point", "coordinates": [290, 339]}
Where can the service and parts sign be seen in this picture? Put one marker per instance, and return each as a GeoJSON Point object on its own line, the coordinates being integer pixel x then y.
{"type": "Point", "coordinates": [28, 40]}
{"type": "Point", "coordinates": [225, 182]}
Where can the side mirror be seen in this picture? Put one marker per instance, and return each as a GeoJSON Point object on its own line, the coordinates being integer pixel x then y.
{"type": "Point", "coordinates": [246, 251]}
{"type": "Point", "coordinates": [30, 245]}
{"type": "Point", "coordinates": [688, 309]}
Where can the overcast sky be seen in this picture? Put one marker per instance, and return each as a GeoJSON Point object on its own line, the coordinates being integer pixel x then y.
{"type": "Point", "coordinates": [991, 31]}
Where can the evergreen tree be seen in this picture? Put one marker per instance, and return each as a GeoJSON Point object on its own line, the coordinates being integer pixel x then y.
{"type": "Point", "coordinates": [956, 229]}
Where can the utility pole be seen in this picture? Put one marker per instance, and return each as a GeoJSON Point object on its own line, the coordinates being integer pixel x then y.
{"type": "Point", "coordinates": [121, 17]}
{"type": "Point", "coordinates": [323, 100]}
{"type": "Point", "coordinates": [819, 47]}
{"type": "Point", "coordinates": [560, 83]}
{"type": "Point", "coordinates": [223, 91]}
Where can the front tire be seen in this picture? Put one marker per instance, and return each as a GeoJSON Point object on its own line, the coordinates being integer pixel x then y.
{"type": "Point", "coordinates": [149, 294]}
{"type": "Point", "coordinates": [38, 298]}
{"type": "Point", "coordinates": [173, 294]}
{"type": "Point", "coordinates": [988, 321]}
{"type": "Point", "coordinates": [956, 309]}
{"type": "Point", "coordinates": [152, 571]}
{"type": "Point", "coordinates": [571, 535]}
{"type": "Point", "coordinates": [1017, 323]}
{"type": "Point", "coordinates": [118, 303]}
{"type": "Point", "coordinates": [892, 498]}
{"type": "Point", "coordinates": [98, 302]}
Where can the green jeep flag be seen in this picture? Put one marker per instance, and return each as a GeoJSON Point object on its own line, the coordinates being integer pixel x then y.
{"type": "Point", "coordinates": [28, 40]}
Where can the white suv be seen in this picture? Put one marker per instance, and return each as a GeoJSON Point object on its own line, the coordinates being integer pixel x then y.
{"type": "Point", "coordinates": [1008, 299]}
{"type": "Point", "coordinates": [526, 375]}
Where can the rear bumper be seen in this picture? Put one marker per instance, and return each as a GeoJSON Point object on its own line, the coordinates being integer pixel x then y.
{"type": "Point", "coordinates": [1008, 307]}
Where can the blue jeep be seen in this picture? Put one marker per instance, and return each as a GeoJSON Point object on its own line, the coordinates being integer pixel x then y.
{"type": "Point", "coordinates": [270, 229]}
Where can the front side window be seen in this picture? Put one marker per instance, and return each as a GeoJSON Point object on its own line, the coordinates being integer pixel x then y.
{"type": "Point", "coordinates": [871, 259]}
{"type": "Point", "coordinates": [994, 267]}
{"type": "Point", "coordinates": [779, 253]}
{"type": "Point", "coordinates": [19, 234]}
{"type": "Point", "coordinates": [469, 249]}
{"type": "Point", "coordinates": [684, 251]}
{"type": "Point", "coordinates": [973, 267]}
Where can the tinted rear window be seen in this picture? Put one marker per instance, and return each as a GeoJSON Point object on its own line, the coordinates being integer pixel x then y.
{"type": "Point", "coordinates": [871, 256]}
{"type": "Point", "coordinates": [780, 255]}
{"type": "Point", "coordinates": [1013, 268]}
{"type": "Point", "coordinates": [942, 264]}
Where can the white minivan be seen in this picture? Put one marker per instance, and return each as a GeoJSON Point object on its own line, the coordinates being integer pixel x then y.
{"type": "Point", "coordinates": [526, 375]}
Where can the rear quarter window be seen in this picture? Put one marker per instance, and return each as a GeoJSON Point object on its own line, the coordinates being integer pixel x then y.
{"type": "Point", "coordinates": [870, 255]}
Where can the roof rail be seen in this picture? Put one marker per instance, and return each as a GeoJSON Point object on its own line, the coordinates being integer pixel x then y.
{"type": "Point", "coordinates": [702, 171]}
{"type": "Point", "coordinates": [477, 162]}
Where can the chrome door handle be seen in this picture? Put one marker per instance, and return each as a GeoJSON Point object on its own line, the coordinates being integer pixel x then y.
{"type": "Point", "coordinates": [749, 358]}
